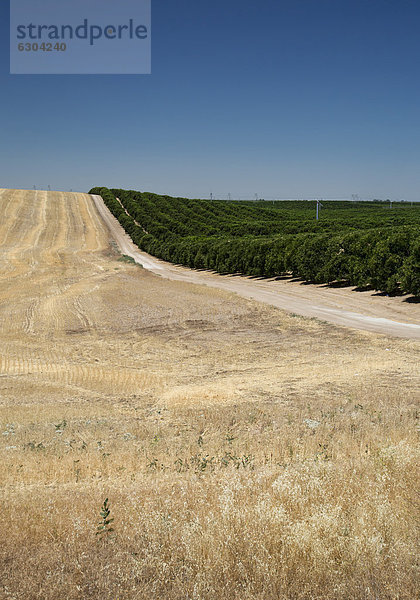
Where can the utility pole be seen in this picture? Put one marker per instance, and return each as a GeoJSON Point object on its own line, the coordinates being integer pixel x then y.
{"type": "Point", "coordinates": [229, 196]}
{"type": "Point", "coordinates": [318, 206]}
{"type": "Point", "coordinates": [211, 195]}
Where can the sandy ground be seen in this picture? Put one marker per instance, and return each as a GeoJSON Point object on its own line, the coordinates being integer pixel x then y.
{"type": "Point", "coordinates": [76, 322]}
{"type": "Point", "coordinates": [360, 310]}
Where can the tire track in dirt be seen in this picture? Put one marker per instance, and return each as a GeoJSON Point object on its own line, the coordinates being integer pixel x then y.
{"type": "Point", "coordinates": [87, 377]}
{"type": "Point", "coordinates": [9, 210]}
{"type": "Point", "coordinates": [55, 264]}
{"type": "Point", "coordinates": [20, 231]}
{"type": "Point", "coordinates": [63, 307]}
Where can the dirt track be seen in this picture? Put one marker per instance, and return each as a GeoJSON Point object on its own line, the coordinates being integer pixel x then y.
{"type": "Point", "coordinates": [359, 310]}
{"type": "Point", "coordinates": [56, 277]}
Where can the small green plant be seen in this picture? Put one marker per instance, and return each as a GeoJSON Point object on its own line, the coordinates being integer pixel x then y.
{"type": "Point", "coordinates": [128, 259]}
{"type": "Point", "coordinates": [203, 463]}
{"type": "Point", "coordinates": [153, 464]}
{"type": "Point", "coordinates": [104, 528]}
{"type": "Point", "coordinates": [76, 469]}
{"type": "Point", "coordinates": [34, 446]}
{"type": "Point", "coordinates": [245, 461]}
{"type": "Point", "coordinates": [61, 426]}
{"type": "Point", "coordinates": [324, 453]}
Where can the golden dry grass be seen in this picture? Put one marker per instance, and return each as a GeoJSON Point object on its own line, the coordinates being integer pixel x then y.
{"type": "Point", "coordinates": [246, 453]}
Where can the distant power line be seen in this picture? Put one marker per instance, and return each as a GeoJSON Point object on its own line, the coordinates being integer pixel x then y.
{"type": "Point", "coordinates": [257, 198]}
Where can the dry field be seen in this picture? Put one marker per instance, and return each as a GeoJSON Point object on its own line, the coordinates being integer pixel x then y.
{"type": "Point", "coordinates": [246, 453]}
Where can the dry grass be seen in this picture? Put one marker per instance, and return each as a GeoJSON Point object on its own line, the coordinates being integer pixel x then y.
{"type": "Point", "coordinates": [246, 453]}
{"type": "Point", "coordinates": [245, 501]}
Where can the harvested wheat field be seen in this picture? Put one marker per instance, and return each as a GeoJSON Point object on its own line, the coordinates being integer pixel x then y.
{"type": "Point", "coordinates": [246, 453]}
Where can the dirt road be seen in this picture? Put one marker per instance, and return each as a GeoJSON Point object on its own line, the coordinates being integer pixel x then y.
{"type": "Point", "coordinates": [359, 310]}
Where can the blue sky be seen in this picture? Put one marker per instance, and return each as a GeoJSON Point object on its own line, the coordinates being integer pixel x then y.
{"type": "Point", "coordinates": [299, 98]}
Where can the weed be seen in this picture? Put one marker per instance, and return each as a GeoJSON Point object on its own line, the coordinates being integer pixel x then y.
{"type": "Point", "coordinates": [104, 528]}
{"type": "Point", "coordinates": [128, 259]}
{"type": "Point", "coordinates": [34, 446]}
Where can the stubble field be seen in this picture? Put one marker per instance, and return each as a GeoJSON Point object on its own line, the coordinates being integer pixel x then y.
{"type": "Point", "coordinates": [246, 453]}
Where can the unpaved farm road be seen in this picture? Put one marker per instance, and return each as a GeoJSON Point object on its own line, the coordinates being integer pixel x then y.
{"type": "Point", "coordinates": [358, 310]}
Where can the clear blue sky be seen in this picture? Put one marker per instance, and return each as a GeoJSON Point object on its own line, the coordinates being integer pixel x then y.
{"type": "Point", "coordinates": [284, 98]}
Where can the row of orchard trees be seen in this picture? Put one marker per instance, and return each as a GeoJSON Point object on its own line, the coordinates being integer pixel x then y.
{"type": "Point", "coordinates": [387, 258]}
{"type": "Point", "coordinates": [187, 217]}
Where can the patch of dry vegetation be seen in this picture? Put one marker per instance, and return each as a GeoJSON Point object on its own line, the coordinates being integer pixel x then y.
{"type": "Point", "coordinates": [245, 453]}
{"type": "Point", "coordinates": [246, 501]}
